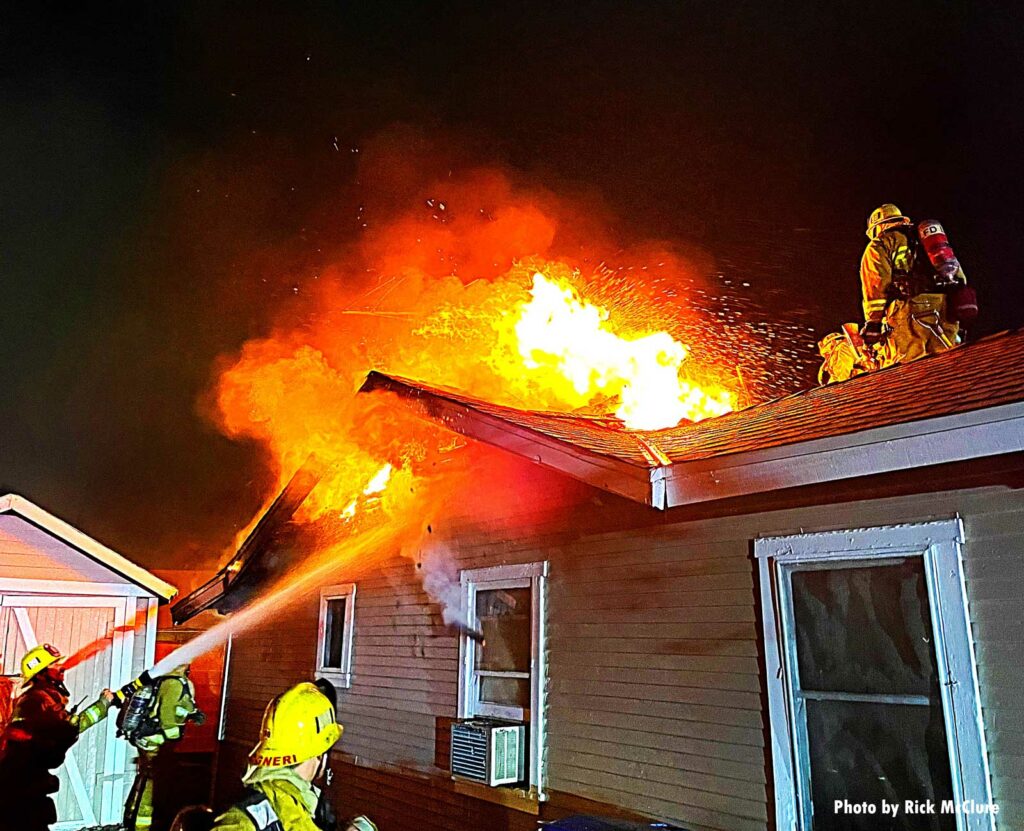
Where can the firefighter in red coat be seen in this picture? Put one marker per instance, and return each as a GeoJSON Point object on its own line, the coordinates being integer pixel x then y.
{"type": "Point", "coordinates": [38, 737]}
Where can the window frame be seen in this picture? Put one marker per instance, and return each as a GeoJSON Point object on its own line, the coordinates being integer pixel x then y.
{"type": "Point", "coordinates": [939, 544]}
{"type": "Point", "coordinates": [522, 575]}
{"type": "Point", "coordinates": [339, 676]}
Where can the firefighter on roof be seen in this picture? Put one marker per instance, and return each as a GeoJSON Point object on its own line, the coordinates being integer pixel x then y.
{"type": "Point", "coordinates": [155, 714]}
{"type": "Point", "coordinates": [914, 291]}
{"type": "Point", "coordinates": [40, 733]}
{"type": "Point", "coordinates": [298, 731]}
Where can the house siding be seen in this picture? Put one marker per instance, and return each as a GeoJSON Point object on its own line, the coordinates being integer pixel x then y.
{"type": "Point", "coordinates": [30, 553]}
{"type": "Point", "coordinates": [656, 693]}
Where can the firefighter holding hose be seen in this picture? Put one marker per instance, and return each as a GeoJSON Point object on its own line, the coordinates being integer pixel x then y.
{"type": "Point", "coordinates": [914, 291]}
{"type": "Point", "coordinates": [40, 733]}
{"type": "Point", "coordinates": [154, 712]}
{"type": "Point", "coordinates": [298, 731]}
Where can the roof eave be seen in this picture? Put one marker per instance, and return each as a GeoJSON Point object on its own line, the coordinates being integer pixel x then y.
{"type": "Point", "coordinates": [95, 550]}
{"type": "Point", "coordinates": [978, 434]}
{"type": "Point", "coordinates": [608, 474]}
{"type": "Point", "coordinates": [286, 503]}
{"type": "Point", "coordinates": [986, 432]}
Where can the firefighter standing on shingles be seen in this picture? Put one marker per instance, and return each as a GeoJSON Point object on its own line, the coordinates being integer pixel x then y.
{"type": "Point", "coordinates": [162, 708]}
{"type": "Point", "coordinates": [40, 733]}
{"type": "Point", "coordinates": [915, 292]}
{"type": "Point", "coordinates": [298, 731]}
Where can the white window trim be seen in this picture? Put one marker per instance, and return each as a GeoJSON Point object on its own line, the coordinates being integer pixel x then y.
{"type": "Point", "coordinates": [939, 544]}
{"type": "Point", "coordinates": [339, 676]}
{"type": "Point", "coordinates": [535, 576]}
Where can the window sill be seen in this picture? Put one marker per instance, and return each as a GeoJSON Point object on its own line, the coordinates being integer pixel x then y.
{"type": "Point", "coordinates": [515, 798]}
{"type": "Point", "coordinates": [340, 679]}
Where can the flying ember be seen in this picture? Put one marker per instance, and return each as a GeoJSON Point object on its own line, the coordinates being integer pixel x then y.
{"type": "Point", "coordinates": [573, 341]}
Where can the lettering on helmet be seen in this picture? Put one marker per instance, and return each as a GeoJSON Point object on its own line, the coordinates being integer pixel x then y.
{"type": "Point", "coordinates": [277, 761]}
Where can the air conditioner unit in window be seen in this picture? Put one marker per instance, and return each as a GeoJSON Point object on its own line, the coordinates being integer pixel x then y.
{"type": "Point", "coordinates": [489, 751]}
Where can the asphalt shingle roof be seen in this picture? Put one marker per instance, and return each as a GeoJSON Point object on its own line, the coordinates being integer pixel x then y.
{"type": "Point", "coordinates": [980, 375]}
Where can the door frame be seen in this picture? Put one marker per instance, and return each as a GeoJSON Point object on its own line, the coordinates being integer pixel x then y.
{"type": "Point", "coordinates": [939, 544]}
{"type": "Point", "coordinates": [18, 594]}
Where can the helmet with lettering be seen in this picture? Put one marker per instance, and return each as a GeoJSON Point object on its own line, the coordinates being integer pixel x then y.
{"type": "Point", "coordinates": [297, 725]}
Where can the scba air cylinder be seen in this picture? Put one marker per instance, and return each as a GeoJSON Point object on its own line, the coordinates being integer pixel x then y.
{"type": "Point", "coordinates": [940, 252]}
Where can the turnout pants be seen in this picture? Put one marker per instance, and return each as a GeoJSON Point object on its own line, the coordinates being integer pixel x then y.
{"type": "Point", "coordinates": [138, 810]}
{"type": "Point", "coordinates": [919, 327]}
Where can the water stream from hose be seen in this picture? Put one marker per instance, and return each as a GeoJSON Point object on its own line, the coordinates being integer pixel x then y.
{"type": "Point", "coordinates": [305, 577]}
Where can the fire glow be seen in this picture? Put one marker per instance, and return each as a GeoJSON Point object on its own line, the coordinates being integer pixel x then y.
{"type": "Point", "coordinates": [529, 339]}
{"type": "Point", "coordinates": [572, 339]}
{"type": "Point", "coordinates": [509, 295]}
{"type": "Point", "coordinates": [376, 485]}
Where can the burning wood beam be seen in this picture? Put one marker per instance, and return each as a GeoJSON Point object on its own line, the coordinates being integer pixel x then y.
{"type": "Point", "coordinates": [281, 510]}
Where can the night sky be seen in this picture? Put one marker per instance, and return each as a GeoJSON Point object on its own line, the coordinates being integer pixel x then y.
{"type": "Point", "coordinates": [170, 172]}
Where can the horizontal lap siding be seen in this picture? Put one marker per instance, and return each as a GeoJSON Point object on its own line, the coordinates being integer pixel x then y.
{"type": "Point", "coordinates": [994, 562]}
{"type": "Point", "coordinates": [265, 661]}
{"type": "Point", "coordinates": [655, 688]}
{"type": "Point", "coordinates": [655, 691]}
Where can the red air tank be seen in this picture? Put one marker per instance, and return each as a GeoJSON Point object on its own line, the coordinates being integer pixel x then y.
{"type": "Point", "coordinates": [936, 245]}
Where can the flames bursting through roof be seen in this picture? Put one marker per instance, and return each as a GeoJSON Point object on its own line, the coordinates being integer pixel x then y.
{"type": "Point", "coordinates": [981, 376]}
{"type": "Point", "coordinates": [528, 338]}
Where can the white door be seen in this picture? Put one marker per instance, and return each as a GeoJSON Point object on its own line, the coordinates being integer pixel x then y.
{"type": "Point", "coordinates": [91, 779]}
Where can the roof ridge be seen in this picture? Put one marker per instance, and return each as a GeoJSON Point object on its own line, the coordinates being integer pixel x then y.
{"type": "Point", "coordinates": [651, 450]}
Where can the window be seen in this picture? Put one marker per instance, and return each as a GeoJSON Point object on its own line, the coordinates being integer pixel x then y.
{"type": "Point", "coordinates": [872, 682]}
{"type": "Point", "coordinates": [502, 675]}
{"type": "Point", "coordinates": [334, 636]}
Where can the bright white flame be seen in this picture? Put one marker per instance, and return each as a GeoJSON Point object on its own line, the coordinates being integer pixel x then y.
{"type": "Point", "coordinates": [559, 331]}
{"type": "Point", "coordinates": [379, 481]}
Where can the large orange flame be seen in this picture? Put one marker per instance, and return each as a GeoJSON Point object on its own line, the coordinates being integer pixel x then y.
{"type": "Point", "coordinates": [503, 293]}
{"type": "Point", "coordinates": [573, 342]}
{"type": "Point", "coordinates": [529, 339]}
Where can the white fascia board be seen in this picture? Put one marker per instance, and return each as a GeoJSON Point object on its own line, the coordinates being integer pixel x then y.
{"type": "Point", "coordinates": [12, 503]}
{"type": "Point", "coordinates": [989, 432]}
{"type": "Point", "coordinates": [613, 475]}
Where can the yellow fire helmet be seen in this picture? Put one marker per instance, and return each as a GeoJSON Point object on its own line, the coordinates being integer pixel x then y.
{"type": "Point", "coordinates": [887, 214]}
{"type": "Point", "coordinates": [37, 659]}
{"type": "Point", "coordinates": [297, 725]}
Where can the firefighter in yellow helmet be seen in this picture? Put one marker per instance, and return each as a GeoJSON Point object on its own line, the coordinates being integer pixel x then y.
{"type": "Point", "coordinates": [905, 311]}
{"type": "Point", "coordinates": [37, 738]}
{"type": "Point", "coordinates": [299, 729]}
{"type": "Point", "coordinates": [171, 705]}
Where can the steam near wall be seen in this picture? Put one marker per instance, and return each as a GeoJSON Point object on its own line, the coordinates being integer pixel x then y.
{"type": "Point", "coordinates": [440, 578]}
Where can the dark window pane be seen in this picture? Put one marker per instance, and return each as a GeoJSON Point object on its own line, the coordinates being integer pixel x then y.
{"type": "Point", "coordinates": [504, 616]}
{"type": "Point", "coordinates": [865, 630]}
{"type": "Point", "coordinates": [873, 752]}
{"type": "Point", "coordinates": [334, 634]}
{"type": "Point", "coordinates": [509, 692]}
